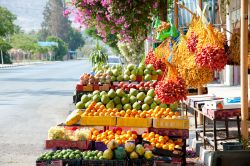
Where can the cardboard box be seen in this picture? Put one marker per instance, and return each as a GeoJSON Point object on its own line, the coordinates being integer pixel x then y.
{"type": "Point", "coordinates": [134, 122]}
{"type": "Point", "coordinates": [98, 121]}
{"type": "Point", "coordinates": [171, 123]}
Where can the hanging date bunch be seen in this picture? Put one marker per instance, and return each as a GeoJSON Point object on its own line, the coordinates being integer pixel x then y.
{"type": "Point", "coordinates": [158, 63]}
{"type": "Point", "coordinates": [211, 57]}
{"type": "Point", "coordinates": [150, 57]}
{"type": "Point", "coordinates": [207, 44]}
{"type": "Point", "coordinates": [192, 42]}
{"type": "Point", "coordinates": [172, 88]}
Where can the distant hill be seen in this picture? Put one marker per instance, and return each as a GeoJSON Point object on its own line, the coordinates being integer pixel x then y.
{"type": "Point", "coordinates": [28, 12]}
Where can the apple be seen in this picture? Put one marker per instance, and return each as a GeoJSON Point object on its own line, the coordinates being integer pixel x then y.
{"type": "Point", "coordinates": [142, 83]}
{"type": "Point", "coordinates": [141, 88]}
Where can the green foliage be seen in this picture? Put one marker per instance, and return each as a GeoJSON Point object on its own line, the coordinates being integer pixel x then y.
{"type": "Point", "coordinates": [4, 46]}
{"type": "Point", "coordinates": [75, 39]}
{"type": "Point", "coordinates": [61, 50]}
{"type": "Point", "coordinates": [6, 22]}
{"type": "Point", "coordinates": [98, 57]}
{"type": "Point", "coordinates": [7, 27]}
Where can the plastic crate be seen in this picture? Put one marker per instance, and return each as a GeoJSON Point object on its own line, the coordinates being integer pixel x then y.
{"type": "Point", "coordinates": [171, 123]}
{"type": "Point", "coordinates": [140, 162]}
{"type": "Point", "coordinates": [98, 121]}
{"type": "Point", "coordinates": [134, 122]}
{"type": "Point", "coordinates": [57, 144]}
{"type": "Point", "coordinates": [63, 162]}
{"type": "Point", "coordinates": [104, 163]}
{"type": "Point", "coordinates": [232, 146]}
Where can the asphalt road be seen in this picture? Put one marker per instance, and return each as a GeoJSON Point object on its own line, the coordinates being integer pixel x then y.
{"type": "Point", "coordinates": [32, 99]}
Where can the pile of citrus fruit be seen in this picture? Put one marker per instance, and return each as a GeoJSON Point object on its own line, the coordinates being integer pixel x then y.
{"type": "Point", "coordinates": [157, 112]}
{"type": "Point", "coordinates": [163, 142]}
{"type": "Point", "coordinates": [118, 135]}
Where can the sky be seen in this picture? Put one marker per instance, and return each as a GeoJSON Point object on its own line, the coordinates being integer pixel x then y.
{"type": "Point", "coordinates": [28, 12]}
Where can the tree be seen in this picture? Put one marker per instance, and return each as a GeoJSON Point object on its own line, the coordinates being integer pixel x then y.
{"type": "Point", "coordinates": [55, 24]}
{"type": "Point", "coordinates": [61, 50]}
{"type": "Point", "coordinates": [7, 27]}
{"type": "Point", "coordinates": [75, 39]}
{"type": "Point", "coordinates": [6, 22]}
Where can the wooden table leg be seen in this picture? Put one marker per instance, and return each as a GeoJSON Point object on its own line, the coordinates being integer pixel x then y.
{"type": "Point", "coordinates": [195, 124]}
{"type": "Point", "coordinates": [184, 162]}
{"type": "Point", "coordinates": [226, 125]}
{"type": "Point", "coordinates": [186, 107]}
{"type": "Point", "coordinates": [204, 131]}
{"type": "Point", "coordinates": [215, 136]}
{"type": "Point", "coordinates": [238, 127]}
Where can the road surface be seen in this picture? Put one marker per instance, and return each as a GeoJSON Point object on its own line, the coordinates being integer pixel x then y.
{"type": "Point", "coordinates": [32, 99]}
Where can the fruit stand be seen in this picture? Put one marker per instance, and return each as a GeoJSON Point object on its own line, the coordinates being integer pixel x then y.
{"type": "Point", "coordinates": [130, 115]}
{"type": "Point", "coordinates": [126, 124]}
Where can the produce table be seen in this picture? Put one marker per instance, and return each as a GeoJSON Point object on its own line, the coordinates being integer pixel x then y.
{"type": "Point", "coordinates": [214, 115]}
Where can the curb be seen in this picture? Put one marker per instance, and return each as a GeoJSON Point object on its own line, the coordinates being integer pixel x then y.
{"type": "Point", "coordinates": [10, 66]}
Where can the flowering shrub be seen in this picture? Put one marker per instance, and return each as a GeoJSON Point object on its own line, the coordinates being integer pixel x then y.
{"type": "Point", "coordinates": [130, 18]}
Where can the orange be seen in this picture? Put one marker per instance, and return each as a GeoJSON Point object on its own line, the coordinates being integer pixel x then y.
{"type": "Point", "coordinates": [110, 132]}
{"type": "Point", "coordinates": [166, 138]}
{"type": "Point", "coordinates": [130, 138]}
{"type": "Point", "coordinates": [134, 111]}
{"type": "Point", "coordinates": [85, 114]}
{"type": "Point", "coordinates": [162, 141]}
{"type": "Point", "coordinates": [134, 136]}
{"type": "Point", "coordinates": [176, 113]}
{"type": "Point", "coordinates": [129, 111]}
{"type": "Point", "coordinates": [117, 114]}
{"type": "Point", "coordinates": [148, 115]}
{"type": "Point", "coordinates": [98, 139]}
{"type": "Point", "coordinates": [139, 111]}
{"type": "Point", "coordinates": [137, 116]}
{"type": "Point", "coordinates": [129, 132]}
{"type": "Point", "coordinates": [144, 135]}
{"type": "Point", "coordinates": [102, 107]}
{"type": "Point", "coordinates": [95, 132]}
{"type": "Point", "coordinates": [123, 132]}
{"type": "Point", "coordinates": [157, 108]}
{"type": "Point", "coordinates": [118, 132]}
{"type": "Point", "coordinates": [162, 116]}
{"type": "Point", "coordinates": [158, 145]}
{"type": "Point", "coordinates": [93, 110]}
{"type": "Point", "coordinates": [106, 142]}
{"type": "Point", "coordinates": [143, 115]}
{"type": "Point", "coordinates": [168, 110]}
{"type": "Point", "coordinates": [107, 114]}
{"type": "Point", "coordinates": [122, 113]}
{"type": "Point", "coordinates": [165, 147]}
{"type": "Point", "coordinates": [87, 110]}
{"type": "Point", "coordinates": [102, 113]}
{"type": "Point", "coordinates": [157, 135]}
{"type": "Point", "coordinates": [170, 113]}
{"type": "Point", "coordinates": [104, 110]}
{"type": "Point", "coordinates": [119, 142]}
{"type": "Point", "coordinates": [110, 137]}
{"type": "Point", "coordinates": [112, 114]}
{"type": "Point", "coordinates": [153, 144]}
{"type": "Point", "coordinates": [90, 114]}
{"type": "Point", "coordinates": [132, 115]}
{"type": "Point", "coordinates": [96, 114]}
{"type": "Point", "coordinates": [103, 137]}
{"type": "Point", "coordinates": [93, 137]}
{"type": "Point", "coordinates": [170, 141]}
{"type": "Point", "coordinates": [126, 115]}
{"type": "Point", "coordinates": [97, 106]}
